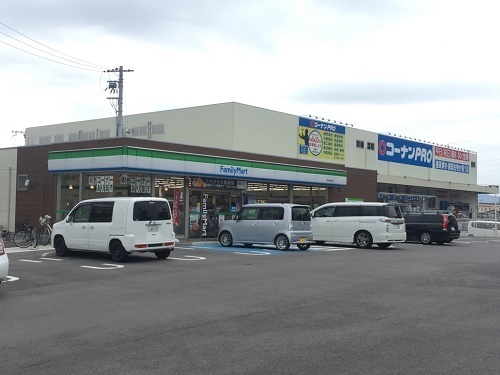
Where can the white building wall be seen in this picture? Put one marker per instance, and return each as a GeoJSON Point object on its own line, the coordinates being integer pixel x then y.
{"type": "Point", "coordinates": [240, 127]}
{"type": "Point", "coordinates": [266, 132]}
{"type": "Point", "coordinates": [360, 157]}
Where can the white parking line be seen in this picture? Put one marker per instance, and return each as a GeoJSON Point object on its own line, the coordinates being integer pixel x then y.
{"type": "Point", "coordinates": [330, 248]}
{"type": "Point", "coordinates": [54, 259]}
{"type": "Point", "coordinates": [109, 266]}
{"type": "Point", "coordinates": [190, 257]}
{"type": "Point", "coordinates": [12, 250]}
{"type": "Point", "coordinates": [253, 252]}
{"type": "Point", "coordinates": [31, 261]}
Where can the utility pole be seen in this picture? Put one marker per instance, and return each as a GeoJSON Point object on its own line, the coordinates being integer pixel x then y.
{"type": "Point", "coordinates": [112, 85]}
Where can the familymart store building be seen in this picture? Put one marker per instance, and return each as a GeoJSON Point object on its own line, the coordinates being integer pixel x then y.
{"type": "Point", "coordinates": [203, 190]}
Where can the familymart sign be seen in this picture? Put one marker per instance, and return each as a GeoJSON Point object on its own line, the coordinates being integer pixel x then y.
{"type": "Point", "coordinates": [158, 161]}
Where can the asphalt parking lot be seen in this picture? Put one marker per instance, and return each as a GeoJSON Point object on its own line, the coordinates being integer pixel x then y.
{"type": "Point", "coordinates": [408, 309]}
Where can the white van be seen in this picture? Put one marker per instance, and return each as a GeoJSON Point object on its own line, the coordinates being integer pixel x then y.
{"type": "Point", "coordinates": [361, 223]}
{"type": "Point", "coordinates": [483, 228]}
{"type": "Point", "coordinates": [117, 225]}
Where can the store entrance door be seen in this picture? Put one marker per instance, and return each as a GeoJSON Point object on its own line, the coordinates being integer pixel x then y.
{"type": "Point", "coordinates": [207, 209]}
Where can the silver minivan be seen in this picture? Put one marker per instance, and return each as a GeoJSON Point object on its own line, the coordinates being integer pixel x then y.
{"type": "Point", "coordinates": [279, 224]}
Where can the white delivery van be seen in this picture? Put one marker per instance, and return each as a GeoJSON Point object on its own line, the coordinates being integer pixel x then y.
{"type": "Point", "coordinates": [117, 225]}
{"type": "Point", "coordinates": [483, 228]}
{"type": "Point", "coordinates": [360, 223]}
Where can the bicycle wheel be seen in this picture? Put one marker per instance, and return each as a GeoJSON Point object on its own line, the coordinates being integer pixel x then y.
{"type": "Point", "coordinates": [22, 238]}
{"type": "Point", "coordinates": [33, 237]}
{"type": "Point", "coordinates": [44, 236]}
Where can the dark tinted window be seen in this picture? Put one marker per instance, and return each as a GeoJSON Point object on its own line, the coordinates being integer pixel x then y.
{"type": "Point", "coordinates": [341, 211]}
{"type": "Point", "coordinates": [102, 212]}
{"type": "Point", "coordinates": [272, 213]}
{"type": "Point", "coordinates": [453, 220]}
{"type": "Point", "coordinates": [151, 210]}
{"type": "Point", "coordinates": [301, 214]}
{"type": "Point", "coordinates": [392, 211]}
{"type": "Point", "coordinates": [372, 211]}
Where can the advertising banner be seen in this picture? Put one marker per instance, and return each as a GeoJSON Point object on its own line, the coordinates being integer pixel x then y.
{"type": "Point", "coordinates": [444, 152]}
{"type": "Point", "coordinates": [217, 183]}
{"type": "Point", "coordinates": [451, 166]}
{"type": "Point", "coordinates": [404, 151]}
{"type": "Point", "coordinates": [320, 139]}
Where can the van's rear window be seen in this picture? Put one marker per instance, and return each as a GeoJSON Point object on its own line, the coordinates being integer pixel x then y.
{"type": "Point", "coordinates": [151, 210]}
{"type": "Point", "coordinates": [393, 211]}
{"type": "Point", "coordinates": [301, 214]}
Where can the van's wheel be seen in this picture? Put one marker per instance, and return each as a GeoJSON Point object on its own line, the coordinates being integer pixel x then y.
{"type": "Point", "coordinates": [118, 252]}
{"type": "Point", "coordinates": [363, 239]}
{"type": "Point", "coordinates": [60, 247]}
{"type": "Point", "coordinates": [426, 238]}
{"type": "Point", "coordinates": [303, 246]}
{"type": "Point", "coordinates": [162, 254]}
{"type": "Point", "coordinates": [384, 245]}
{"type": "Point", "coordinates": [282, 243]}
{"type": "Point", "coordinates": [226, 239]}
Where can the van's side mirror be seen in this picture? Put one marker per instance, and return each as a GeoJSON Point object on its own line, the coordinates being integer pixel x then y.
{"type": "Point", "coordinates": [69, 219]}
{"type": "Point", "coordinates": [312, 214]}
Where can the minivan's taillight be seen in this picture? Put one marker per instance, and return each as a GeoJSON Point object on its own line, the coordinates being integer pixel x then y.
{"type": "Point", "coordinates": [445, 222]}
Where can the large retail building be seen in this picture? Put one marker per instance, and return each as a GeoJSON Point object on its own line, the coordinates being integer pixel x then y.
{"type": "Point", "coordinates": [210, 160]}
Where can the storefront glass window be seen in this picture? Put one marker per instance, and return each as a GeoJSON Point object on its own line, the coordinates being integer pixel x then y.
{"type": "Point", "coordinates": [69, 194]}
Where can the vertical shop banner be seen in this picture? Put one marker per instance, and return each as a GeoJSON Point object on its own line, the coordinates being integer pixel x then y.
{"type": "Point", "coordinates": [320, 139]}
{"type": "Point", "coordinates": [176, 204]}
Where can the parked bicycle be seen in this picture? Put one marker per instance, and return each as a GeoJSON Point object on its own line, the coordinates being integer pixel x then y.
{"type": "Point", "coordinates": [45, 230]}
{"type": "Point", "coordinates": [26, 237]}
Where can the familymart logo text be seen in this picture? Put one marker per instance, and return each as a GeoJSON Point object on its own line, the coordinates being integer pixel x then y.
{"type": "Point", "coordinates": [233, 171]}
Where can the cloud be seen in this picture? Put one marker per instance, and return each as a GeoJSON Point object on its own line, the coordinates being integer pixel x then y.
{"type": "Point", "coordinates": [394, 93]}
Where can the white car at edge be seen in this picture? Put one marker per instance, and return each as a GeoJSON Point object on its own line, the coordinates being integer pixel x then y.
{"type": "Point", "coordinates": [4, 262]}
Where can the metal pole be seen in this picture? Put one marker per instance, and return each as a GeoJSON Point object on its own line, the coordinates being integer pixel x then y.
{"type": "Point", "coordinates": [119, 120]}
{"type": "Point", "coordinates": [496, 230]}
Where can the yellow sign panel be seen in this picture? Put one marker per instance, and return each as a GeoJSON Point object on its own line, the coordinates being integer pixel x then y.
{"type": "Point", "coordinates": [321, 140]}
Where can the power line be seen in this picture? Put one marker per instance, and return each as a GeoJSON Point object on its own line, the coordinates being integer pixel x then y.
{"type": "Point", "coordinates": [87, 63]}
{"type": "Point", "coordinates": [38, 49]}
{"type": "Point", "coordinates": [46, 58]}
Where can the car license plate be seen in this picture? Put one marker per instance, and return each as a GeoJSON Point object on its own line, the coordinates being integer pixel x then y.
{"type": "Point", "coordinates": [152, 228]}
{"type": "Point", "coordinates": [398, 226]}
{"type": "Point", "coordinates": [302, 239]}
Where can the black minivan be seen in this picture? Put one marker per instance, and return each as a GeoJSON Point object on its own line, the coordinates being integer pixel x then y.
{"type": "Point", "coordinates": [429, 228]}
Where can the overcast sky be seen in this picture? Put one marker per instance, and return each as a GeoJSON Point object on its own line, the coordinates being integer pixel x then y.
{"type": "Point", "coordinates": [426, 69]}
